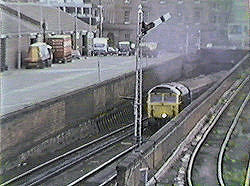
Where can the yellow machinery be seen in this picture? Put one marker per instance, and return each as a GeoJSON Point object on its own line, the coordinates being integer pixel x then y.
{"type": "Point", "coordinates": [39, 55]}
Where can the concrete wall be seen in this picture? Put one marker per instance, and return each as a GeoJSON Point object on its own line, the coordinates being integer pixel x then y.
{"type": "Point", "coordinates": [160, 146]}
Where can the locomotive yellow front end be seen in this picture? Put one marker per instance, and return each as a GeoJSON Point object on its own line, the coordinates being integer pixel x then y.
{"type": "Point", "coordinates": [163, 105]}
{"type": "Point", "coordinates": [166, 101]}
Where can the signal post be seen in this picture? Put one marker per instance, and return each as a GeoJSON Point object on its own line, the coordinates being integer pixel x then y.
{"type": "Point", "coordinates": [142, 29]}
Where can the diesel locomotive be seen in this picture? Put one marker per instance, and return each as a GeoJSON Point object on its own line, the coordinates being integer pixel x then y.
{"type": "Point", "coordinates": [165, 101]}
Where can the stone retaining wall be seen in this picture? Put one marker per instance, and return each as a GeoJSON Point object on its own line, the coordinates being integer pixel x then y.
{"type": "Point", "coordinates": [23, 130]}
{"type": "Point", "coordinates": [26, 128]}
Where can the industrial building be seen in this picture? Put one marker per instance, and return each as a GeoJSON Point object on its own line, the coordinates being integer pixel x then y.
{"type": "Point", "coordinates": [193, 22]}
{"type": "Point", "coordinates": [22, 25]}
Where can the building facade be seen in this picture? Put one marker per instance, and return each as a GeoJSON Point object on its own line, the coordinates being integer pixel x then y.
{"type": "Point", "coordinates": [238, 29]}
{"type": "Point", "coordinates": [193, 22]}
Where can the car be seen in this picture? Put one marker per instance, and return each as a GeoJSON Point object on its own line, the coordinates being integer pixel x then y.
{"type": "Point", "coordinates": [112, 51]}
{"type": "Point", "coordinates": [76, 54]}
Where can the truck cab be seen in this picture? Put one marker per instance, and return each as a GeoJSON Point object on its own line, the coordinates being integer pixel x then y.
{"type": "Point", "coordinates": [126, 48]}
{"type": "Point", "coordinates": [100, 46]}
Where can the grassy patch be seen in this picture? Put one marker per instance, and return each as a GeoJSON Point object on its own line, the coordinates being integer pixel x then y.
{"type": "Point", "coordinates": [235, 178]}
{"type": "Point", "coordinates": [232, 144]}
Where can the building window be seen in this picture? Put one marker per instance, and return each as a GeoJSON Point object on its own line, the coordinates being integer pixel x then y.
{"type": "Point", "coordinates": [127, 36]}
{"type": "Point", "coordinates": [235, 29]}
{"type": "Point", "coordinates": [213, 19]}
{"type": "Point", "coordinates": [245, 29]}
{"type": "Point", "coordinates": [126, 16]}
{"type": "Point", "coordinates": [162, 1]}
{"type": "Point", "coordinates": [214, 5]}
{"type": "Point", "coordinates": [179, 1]}
{"type": "Point", "coordinates": [197, 14]}
{"type": "Point", "coordinates": [85, 10]}
{"type": "Point", "coordinates": [179, 12]}
{"type": "Point", "coordinates": [70, 10]}
{"type": "Point", "coordinates": [79, 10]}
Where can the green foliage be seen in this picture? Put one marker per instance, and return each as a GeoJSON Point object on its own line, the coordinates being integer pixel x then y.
{"type": "Point", "coordinates": [226, 157]}
{"type": "Point", "coordinates": [223, 100]}
{"type": "Point", "coordinates": [235, 178]}
{"type": "Point", "coordinates": [245, 158]}
{"type": "Point", "coordinates": [232, 144]}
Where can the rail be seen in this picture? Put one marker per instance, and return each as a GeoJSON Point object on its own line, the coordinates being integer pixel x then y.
{"type": "Point", "coordinates": [65, 155]}
{"type": "Point", "coordinates": [214, 121]}
{"type": "Point", "coordinates": [229, 133]}
{"type": "Point", "coordinates": [102, 166]}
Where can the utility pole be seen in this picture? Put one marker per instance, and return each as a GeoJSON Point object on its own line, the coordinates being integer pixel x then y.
{"type": "Point", "coordinates": [59, 20]}
{"type": "Point", "coordinates": [187, 39]}
{"type": "Point", "coordinates": [142, 29]}
{"type": "Point", "coordinates": [41, 17]}
{"type": "Point", "coordinates": [19, 37]}
{"type": "Point", "coordinates": [75, 29]}
{"type": "Point", "coordinates": [199, 39]}
{"type": "Point", "coordinates": [101, 18]}
{"type": "Point", "coordinates": [90, 31]}
{"type": "Point", "coordinates": [44, 30]}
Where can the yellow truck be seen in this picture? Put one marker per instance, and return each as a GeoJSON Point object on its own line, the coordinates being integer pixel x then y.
{"type": "Point", "coordinates": [39, 56]}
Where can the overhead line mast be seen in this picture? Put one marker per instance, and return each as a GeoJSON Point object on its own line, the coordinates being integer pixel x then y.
{"type": "Point", "coordinates": [142, 29]}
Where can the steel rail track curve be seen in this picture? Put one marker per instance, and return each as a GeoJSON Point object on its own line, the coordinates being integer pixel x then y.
{"type": "Point", "coordinates": [64, 155]}
{"type": "Point", "coordinates": [190, 165]}
{"type": "Point", "coordinates": [229, 133]}
{"type": "Point", "coordinates": [247, 174]}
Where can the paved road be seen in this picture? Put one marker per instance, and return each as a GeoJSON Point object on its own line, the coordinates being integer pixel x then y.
{"type": "Point", "coordinates": [22, 88]}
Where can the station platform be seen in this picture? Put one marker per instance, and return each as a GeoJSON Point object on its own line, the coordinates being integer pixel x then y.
{"type": "Point", "coordinates": [25, 87]}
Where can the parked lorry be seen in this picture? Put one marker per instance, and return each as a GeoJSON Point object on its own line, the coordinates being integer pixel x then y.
{"type": "Point", "coordinates": [149, 49]}
{"type": "Point", "coordinates": [126, 48]}
{"type": "Point", "coordinates": [100, 46]}
{"type": "Point", "coordinates": [61, 47]}
{"type": "Point", "coordinates": [39, 56]}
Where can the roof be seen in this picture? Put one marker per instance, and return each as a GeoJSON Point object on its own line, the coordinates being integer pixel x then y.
{"type": "Point", "coordinates": [124, 42]}
{"type": "Point", "coordinates": [38, 44]}
{"type": "Point", "coordinates": [184, 90]}
{"type": "Point", "coordinates": [9, 24]}
{"type": "Point", "coordinates": [56, 20]}
{"type": "Point", "coordinates": [60, 36]}
{"type": "Point", "coordinates": [177, 88]}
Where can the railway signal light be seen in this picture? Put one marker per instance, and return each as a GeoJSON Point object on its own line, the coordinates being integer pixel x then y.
{"type": "Point", "coordinates": [153, 24]}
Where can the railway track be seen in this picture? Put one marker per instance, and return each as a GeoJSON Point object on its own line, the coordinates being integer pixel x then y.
{"type": "Point", "coordinates": [208, 158]}
{"type": "Point", "coordinates": [54, 168]}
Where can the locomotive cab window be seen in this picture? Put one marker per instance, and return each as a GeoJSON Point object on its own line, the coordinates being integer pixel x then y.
{"type": "Point", "coordinates": [156, 98]}
{"type": "Point", "coordinates": [170, 98]}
